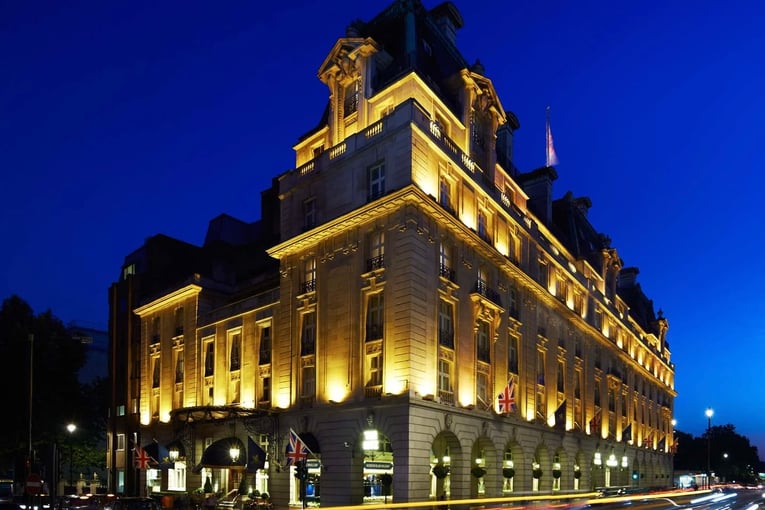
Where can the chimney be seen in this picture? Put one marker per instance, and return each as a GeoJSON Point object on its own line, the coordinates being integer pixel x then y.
{"type": "Point", "coordinates": [538, 186]}
{"type": "Point", "coordinates": [628, 277]}
{"type": "Point", "coordinates": [448, 19]}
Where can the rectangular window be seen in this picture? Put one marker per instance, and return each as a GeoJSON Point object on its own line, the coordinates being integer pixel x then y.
{"type": "Point", "coordinates": [483, 352]}
{"type": "Point", "coordinates": [120, 442]}
{"type": "Point", "coordinates": [127, 271]}
{"type": "Point", "coordinates": [540, 367]}
{"type": "Point", "coordinates": [235, 351]}
{"type": "Point", "coordinates": [265, 345]}
{"type": "Point", "coordinates": [376, 179]}
{"type": "Point", "coordinates": [561, 386]}
{"type": "Point", "coordinates": [542, 273]}
{"type": "Point", "coordinates": [445, 194]}
{"type": "Point", "coordinates": [155, 330]}
{"type": "Point", "coordinates": [482, 388]}
{"type": "Point", "coordinates": [578, 384]}
{"type": "Point", "coordinates": [265, 389]}
{"type": "Point", "coordinates": [155, 372]}
{"type": "Point", "coordinates": [375, 306]}
{"type": "Point", "coordinates": [209, 347]}
{"type": "Point", "coordinates": [179, 321]}
{"type": "Point", "coordinates": [309, 214]}
{"type": "Point", "coordinates": [375, 363]}
{"type": "Point", "coordinates": [308, 338]}
{"type": "Point", "coordinates": [351, 102]}
{"type": "Point", "coordinates": [444, 376]}
{"type": "Point", "coordinates": [308, 387]}
{"type": "Point", "coordinates": [446, 324]}
{"type": "Point", "coordinates": [512, 354]}
{"type": "Point", "coordinates": [483, 227]}
{"type": "Point", "coordinates": [512, 303]}
{"type": "Point", "coordinates": [178, 366]}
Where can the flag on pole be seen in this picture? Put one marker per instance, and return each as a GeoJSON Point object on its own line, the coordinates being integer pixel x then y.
{"type": "Point", "coordinates": [297, 451]}
{"type": "Point", "coordinates": [560, 416]}
{"type": "Point", "coordinates": [506, 399]}
{"type": "Point", "coordinates": [595, 423]}
{"type": "Point", "coordinates": [627, 433]}
{"type": "Point", "coordinates": [141, 458]}
{"type": "Point", "coordinates": [256, 457]}
{"type": "Point", "coordinates": [663, 444]}
{"type": "Point", "coordinates": [648, 439]}
{"type": "Point", "coordinates": [551, 157]}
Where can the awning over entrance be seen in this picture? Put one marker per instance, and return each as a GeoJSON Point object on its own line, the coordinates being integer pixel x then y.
{"type": "Point", "coordinates": [218, 454]}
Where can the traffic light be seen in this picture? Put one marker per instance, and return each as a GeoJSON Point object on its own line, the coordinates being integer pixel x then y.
{"type": "Point", "coordinates": [635, 475]}
{"type": "Point", "coordinates": [301, 470]}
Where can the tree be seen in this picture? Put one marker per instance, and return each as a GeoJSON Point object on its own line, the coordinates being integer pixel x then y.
{"type": "Point", "coordinates": [42, 365]}
{"type": "Point", "coordinates": [731, 456]}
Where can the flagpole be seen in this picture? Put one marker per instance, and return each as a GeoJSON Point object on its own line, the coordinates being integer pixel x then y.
{"type": "Point", "coordinates": [547, 135]}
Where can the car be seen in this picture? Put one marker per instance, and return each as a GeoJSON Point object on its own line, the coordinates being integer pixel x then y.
{"type": "Point", "coordinates": [134, 503]}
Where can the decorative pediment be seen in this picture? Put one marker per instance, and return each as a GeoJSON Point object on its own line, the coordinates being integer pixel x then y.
{"type": "Point", "coordinates": [342, 62]}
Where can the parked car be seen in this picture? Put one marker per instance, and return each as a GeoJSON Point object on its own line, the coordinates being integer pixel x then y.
{"type": "Point", "coordinates": [134, 503]}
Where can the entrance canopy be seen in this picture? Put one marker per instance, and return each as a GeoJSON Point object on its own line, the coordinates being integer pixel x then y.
{"type": "Point", "coordinates": [218, 454]}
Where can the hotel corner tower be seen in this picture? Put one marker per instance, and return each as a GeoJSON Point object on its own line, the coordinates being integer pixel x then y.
{"type": "Point", "coordinates": [413, 315]}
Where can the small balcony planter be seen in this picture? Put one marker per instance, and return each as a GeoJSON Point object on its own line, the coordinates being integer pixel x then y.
{"type": "Point", "coordinates": [577, 474]}
{"type": "Point", "coordinates": [556, 473]}
{"type": "Point", "coordinates": [440, 471]}
{"type": "Point", "coordinates": [537, 473]}
{"type": "Point", "coordinates": [478, 471]}
{"type": "Point", "coordinates": [508, 472]}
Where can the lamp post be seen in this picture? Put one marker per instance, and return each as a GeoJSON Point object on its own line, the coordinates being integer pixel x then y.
{"type": "Point", "coordinates": [71, 428]}
{"type": "Point", "coordinates": [709, 413]}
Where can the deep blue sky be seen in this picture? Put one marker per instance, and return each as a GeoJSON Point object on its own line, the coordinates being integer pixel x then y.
{"type": "Point", "coordinates": [120, 120]}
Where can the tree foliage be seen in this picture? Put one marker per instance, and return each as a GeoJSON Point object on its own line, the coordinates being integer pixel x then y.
{"type": "Point", "coordinates": [730, 455]}
{"type": "Point", "coordinates": [43, 360]}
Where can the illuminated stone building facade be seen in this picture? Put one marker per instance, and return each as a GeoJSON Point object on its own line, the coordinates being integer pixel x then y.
{"type": "Point", "coordinates": [414, 276]}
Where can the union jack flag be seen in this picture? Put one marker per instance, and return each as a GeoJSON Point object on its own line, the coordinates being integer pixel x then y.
{"type": "Point", "coordinates": [595, 423]}
{"type": "Point", "coordinates": [142, 459]}
{"type": "Point", "coordinates": [647, 440]}
{"type": "Point", "coordinates": [297, 451]}
{"type": "Point", "coordinates": [506, 399]}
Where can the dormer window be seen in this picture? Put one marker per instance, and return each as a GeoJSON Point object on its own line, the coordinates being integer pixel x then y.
{"type": "Point", "coordinates": [351, 102]}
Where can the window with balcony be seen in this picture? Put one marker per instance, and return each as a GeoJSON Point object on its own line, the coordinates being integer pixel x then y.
{"type": "Point", "coordinates": [376, 247]}
{"type": "Point", "coordinates": [446, 324]}
{"type": "Point", "coordinates": [375, 317]}
{"type": "Point", "coordinates": [309, 276]}
{"type": "Point", "coordinates": [446, 261]}
{"type": "Point", "coordinates": [376, 181]}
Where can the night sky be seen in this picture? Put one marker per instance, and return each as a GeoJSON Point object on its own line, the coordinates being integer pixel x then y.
{"type": "Point", "coordinates": [121, 120]}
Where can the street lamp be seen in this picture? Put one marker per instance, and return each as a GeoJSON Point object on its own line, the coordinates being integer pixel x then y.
{"type": "Point", "coordinates": [709, 413]}
{"type": "Point", "coordinates": [71, 428]}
